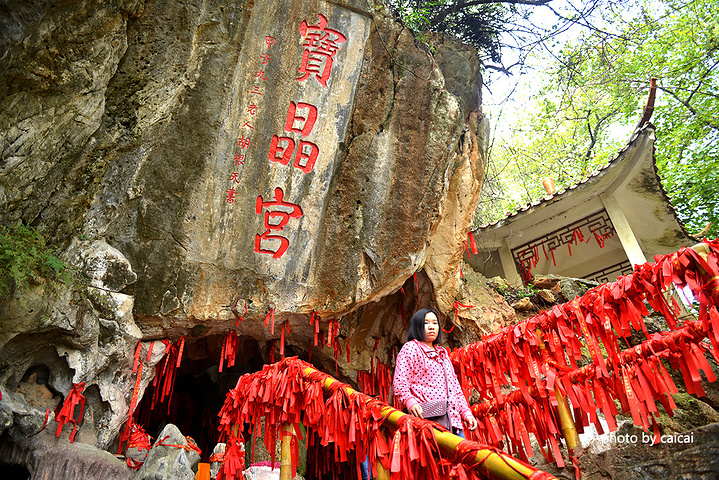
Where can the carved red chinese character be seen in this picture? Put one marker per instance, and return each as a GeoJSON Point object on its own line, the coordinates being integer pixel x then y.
{"type": "Point", "coordinates": [306, 161]}
{"type": "Point", "coordinates": [305, 157]}
{"type": "Point", "coordinates": [278, 153]}
{"type": "Point", "coordinates": [230, 197]}
{"type": "Point", "coordinates": [269, 41]}
{"type": "Point", "coordinates": [239, 159]}
{"type": "Point", "coordinates": [306, 122]}
{"type": "Point", "coordinates": [247, 124]}
{"type": "Point", "coordinates": [243, 142]}
{"type": "Point", "coordinates": [264, 58]}
{"type": "Point", "coordinates": [261, 75]}
{"type": "Point", "coordinates": [252, 109]}
{"type": "Point", "coordinates": [256, 90]}
{"type": "Point", "coordinates": [279, 210]}
{"type": "Point", "coordinates": [234, 177]}
{"type": "Point", "coordinates": [321, 45]}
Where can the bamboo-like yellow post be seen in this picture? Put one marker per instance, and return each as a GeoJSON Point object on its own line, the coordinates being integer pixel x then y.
{"type": "Point", "coordinates": [286, 472]}
{"type": "Point", "coordinates": [566, 421]}
{"type": "Point", "coordinates": [381, 473]}
{"type": "Point", "coordinates": [569, 429]}
{"type": "Point", "coordinates": [494, 465]}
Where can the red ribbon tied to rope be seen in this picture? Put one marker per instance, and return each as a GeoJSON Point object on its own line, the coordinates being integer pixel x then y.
{"type": "Point", "coordinates": [67, 412]}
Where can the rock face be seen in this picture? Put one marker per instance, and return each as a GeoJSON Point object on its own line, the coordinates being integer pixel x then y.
{"type": "Point", "coordinates": [289, 157]}
{"type": "Point", "coordinates": [168, 460]}
{"type": "Point", "coordinates": [168, 94]}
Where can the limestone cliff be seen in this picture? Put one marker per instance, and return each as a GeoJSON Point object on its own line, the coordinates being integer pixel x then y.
{"type": "Point", "coordinates": [285, 156]}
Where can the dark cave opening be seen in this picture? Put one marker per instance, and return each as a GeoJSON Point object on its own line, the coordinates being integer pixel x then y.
{"type": "Point", "coordinates": [199, 391]}
{"type": "Point", "coordinates": [13, 471]}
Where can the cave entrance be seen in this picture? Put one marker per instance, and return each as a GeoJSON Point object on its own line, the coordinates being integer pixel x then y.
{"type": "Point", "coordinates": [198, 391]}
{"type": "Point", "coordinates": [12, 471]}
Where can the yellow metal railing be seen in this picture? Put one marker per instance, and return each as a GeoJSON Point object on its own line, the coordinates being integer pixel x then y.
{"type": "Point", "coordinates": [491, 463]}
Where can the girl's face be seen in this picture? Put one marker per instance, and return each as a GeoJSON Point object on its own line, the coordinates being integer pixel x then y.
{"type": "Point", "coordinates": [431, 327]}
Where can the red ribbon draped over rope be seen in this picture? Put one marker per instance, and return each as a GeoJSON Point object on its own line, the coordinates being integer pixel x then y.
{"type": "Point", "coordinates": [67, 412]}
{"type": "Point", "coordinates": [233, 460]}
{"type": "Point", "coordinates": [536, 366]}
{"type": "Point", "coordinates": [349, 421]}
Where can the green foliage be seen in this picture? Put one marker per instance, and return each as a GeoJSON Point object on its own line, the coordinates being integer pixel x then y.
{"type": "Point", "coordinates": [512, 294]}
{"type": "Point", "coordinates": [478, 25]}
{"type": "Point", "coordinates": [25, 258]}
{"type": "Point", "coordinates": [596, 89]}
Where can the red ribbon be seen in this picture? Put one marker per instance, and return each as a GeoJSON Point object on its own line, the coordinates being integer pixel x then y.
{"type": "Point", "coordinates": [67, 412]}
{"type": "Point", "coordinates": [634, 377]}
{"type": "Point", "coordinates": [238, 317]}
{"type": "Point", "coordinates": [270, 317]}
{"type": "Point", "coordinates": [230, 345]}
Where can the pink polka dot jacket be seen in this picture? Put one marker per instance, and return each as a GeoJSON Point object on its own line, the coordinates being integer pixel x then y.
{"type": "Point", "coordinates": [418, 378]}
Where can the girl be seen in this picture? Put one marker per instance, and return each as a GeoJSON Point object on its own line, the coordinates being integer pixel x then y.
{"type": "Point", "coordinates": [424, 373]}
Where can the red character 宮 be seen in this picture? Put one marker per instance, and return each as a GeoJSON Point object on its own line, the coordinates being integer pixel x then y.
{"type": "Point", "coordinates": [321, 45]}
{"type": "Point", "coordinates": [279, 212]}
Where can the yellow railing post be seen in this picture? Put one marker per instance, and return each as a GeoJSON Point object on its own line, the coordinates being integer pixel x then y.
{"type": "Point", "coordinates": [286, 472]}
{"type": "Point", "coordinates": [569, 429]}
{"type": "Point", "coordinates": [381, 473]}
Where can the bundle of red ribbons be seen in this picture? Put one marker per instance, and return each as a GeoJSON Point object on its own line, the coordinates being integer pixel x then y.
{"type": "Point", "coordinates": [67, 411]}
{"type": "Point", "coordinates": [291, 392]}
{"type": "Point", "coordinates": [530, 356]}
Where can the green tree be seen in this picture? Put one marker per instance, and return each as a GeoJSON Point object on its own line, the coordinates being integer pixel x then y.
{"type": "Point", "coordinates": [505, 32]}
{"type": "Point", "coordinates": [597, 86]}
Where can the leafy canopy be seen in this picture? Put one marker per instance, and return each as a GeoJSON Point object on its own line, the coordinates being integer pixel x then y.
{"type": "Point", "coordinates": [593, 94]}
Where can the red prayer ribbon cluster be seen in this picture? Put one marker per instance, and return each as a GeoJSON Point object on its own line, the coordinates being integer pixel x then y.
{"type": "Point", "coordinates": [164, 380]}
{"type": "Point", "coordinates": [377, 381]}
{"type": "Point", "coordinates": [340, 419]}
{"type": "Point", "coordinates": [539, 356]}
{"type": "Point", "coordinates": [138, 365]}
{"type": "Point", "coordinates": [229, 349]}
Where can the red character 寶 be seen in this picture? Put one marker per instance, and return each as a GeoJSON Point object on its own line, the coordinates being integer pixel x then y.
{"type": "Point", "coordinates": [321, 45]}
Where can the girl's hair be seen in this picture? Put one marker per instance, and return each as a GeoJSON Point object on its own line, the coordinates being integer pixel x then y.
{"type": "Point", "coordinates": [416, 326]}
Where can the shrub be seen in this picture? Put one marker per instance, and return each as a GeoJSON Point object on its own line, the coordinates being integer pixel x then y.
{"type": "Point", "coordinates": [25, 258]}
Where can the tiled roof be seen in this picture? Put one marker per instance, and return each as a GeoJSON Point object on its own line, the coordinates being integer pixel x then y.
{"type": "Point", "coordinates": [637, 133]}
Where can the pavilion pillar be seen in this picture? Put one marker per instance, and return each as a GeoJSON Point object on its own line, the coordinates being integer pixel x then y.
{"type": "Point", "coordinates": [624, 230]}
{"type": "Point", "coordinates": [508, 265]}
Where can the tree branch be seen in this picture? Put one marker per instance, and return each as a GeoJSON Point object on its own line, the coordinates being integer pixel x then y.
{"type": "Point", "coordinates": [473, 3]}
{"type": "Point", "coordinates": [688, 106]}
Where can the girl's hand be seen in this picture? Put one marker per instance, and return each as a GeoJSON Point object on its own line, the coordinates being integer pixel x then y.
{"type": "Point", "coordinates": [416, 410]}
{"type": "Point", "coordinates": [471, 422]}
